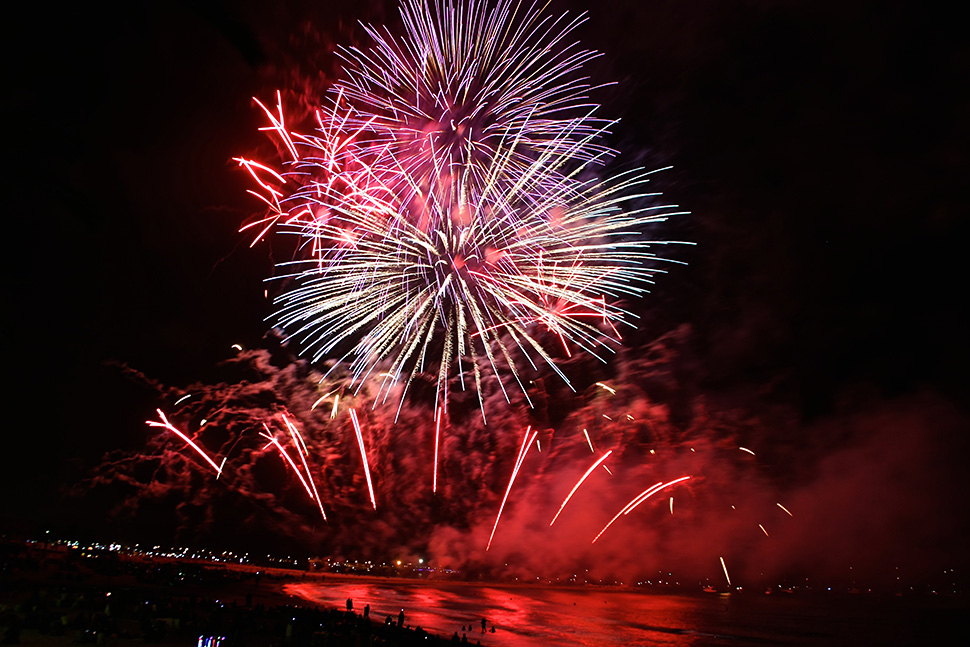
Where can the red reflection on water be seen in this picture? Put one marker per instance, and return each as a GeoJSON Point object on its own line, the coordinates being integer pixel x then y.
{"type": "Point", "coordinates": [530, 617]}
{"type": "Point", "coordinates": [523, 617]}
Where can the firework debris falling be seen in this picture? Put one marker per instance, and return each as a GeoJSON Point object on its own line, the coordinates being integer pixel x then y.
{"type": "Point", "coordinates": [724, 510]}
{"type": "Point", "coordinates": [527, 440]}
{"type": "Point", "coordinates": [581, 480]}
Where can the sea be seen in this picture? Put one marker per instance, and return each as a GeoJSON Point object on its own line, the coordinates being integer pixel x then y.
{"type": "Point", "coordinates": [534, 616]}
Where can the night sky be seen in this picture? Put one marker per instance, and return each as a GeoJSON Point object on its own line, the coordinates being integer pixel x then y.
{"type": "Point", "coordinates": [820, 146]}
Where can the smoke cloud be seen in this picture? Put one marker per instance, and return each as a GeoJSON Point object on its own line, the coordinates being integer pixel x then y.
{"type": "Point", "coordinates": [865, 489]}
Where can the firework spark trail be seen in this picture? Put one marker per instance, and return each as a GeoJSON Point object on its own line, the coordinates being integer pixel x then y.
{"type": "Point", "coordinates": [590, 442]}
{"type": "Point", "coordinates": [335, 171]}
{"type": "Point", "coordinates": [578, 483]}
{"type": "Point", "coordinates": [295, 434]}
{"type": "Point", "coordinates": [785, 509]}
{"type": "Point", "coordinates": [317, 402]}
{"type": "Point", "coordinates": [526, 443]}
{"type": "Point", "coordinates": [437, 433]}
{"type": "Point", "coordinates": [763, 530]}
{"type": "Point", "coordinates": [610, 389]}
{"type": "Point", "coordinates": [637, 500]}
{"type": "Point", "coordinates": [643, 496]}
{"type": "Point", "coordinates": [745, 449]}
{"type": "Point", "coordinates": [363, 456]}
{"type": "Point", "coordinates": [724, 566]}
{"type": "Point", "coordinates": [276, 212]}
{"type": "Point", "coordinates": [646, 492]}
{"type": "Point", "coordinates": [286, 456]}
{"type": "Point", "coordinates": [168, 425]}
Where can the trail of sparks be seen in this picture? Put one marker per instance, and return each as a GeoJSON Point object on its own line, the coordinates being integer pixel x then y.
{"type": "Point", "coordinates": [286, 456]}
{"type": "Point", "coordinates": [611, 390]}
{"type": "Point", "coordinates": [637, 500]}
{"type": "Point", "coordinates": [168, 425]}
{"type": "Point", "coordinates": [320, 399]}
{"type": "Point", "coordinates": [437, 433]}
{"type": "Point", "coordinates": [649, 493]}
{"type": "Point", "coordinates": [588, 441]}
{"type": "Point", "coordinates": [724, 566]}
{"type": "Point", "coordinates": [785, 509]}
{"type": "Point", "coordinates": [363, 456]}
{"type": "Point", "coordinates": [295, 434]}
{"type": "Point", "coordinates": [763, 530]}
{"type": "Point", "coordinates": [745, 449]}
{"type": "Point", "coordinates": [578, 483]}
{"type": "Point", "coordinates": [526, 443]}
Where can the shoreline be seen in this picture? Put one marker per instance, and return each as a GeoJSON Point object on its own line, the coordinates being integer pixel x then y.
{"type": "Point", "coordinates": [58, 601]}
{"type": "Point", "coordinates": [114, 601]}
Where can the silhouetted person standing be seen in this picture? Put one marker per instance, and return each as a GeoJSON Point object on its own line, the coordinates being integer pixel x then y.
{"type": "Point", "coordinates": [400, 618]}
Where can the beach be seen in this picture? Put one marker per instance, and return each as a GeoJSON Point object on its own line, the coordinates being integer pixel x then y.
{"type": "Point", "coordinates": [122, 601]}
{"type": "Point", "coordinates": [58, 599]}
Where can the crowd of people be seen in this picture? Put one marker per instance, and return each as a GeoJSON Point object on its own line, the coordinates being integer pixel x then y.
{"type": "Point", "coordinates": [51, 601]}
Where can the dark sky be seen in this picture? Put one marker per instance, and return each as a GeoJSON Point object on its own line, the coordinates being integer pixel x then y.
{"type": "Point", "coordinates": [821, 147]}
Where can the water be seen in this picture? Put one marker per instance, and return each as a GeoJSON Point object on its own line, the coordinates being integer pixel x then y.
{"type": "Point", "coordinates": [530, 617]}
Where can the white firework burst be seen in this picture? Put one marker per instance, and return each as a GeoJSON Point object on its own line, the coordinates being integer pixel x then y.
{"type": "Point", "coordinates": [467, 83]}
{"type": "Point", "coordinates": [446, 218]}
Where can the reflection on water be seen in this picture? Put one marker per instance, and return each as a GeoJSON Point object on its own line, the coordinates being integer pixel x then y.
{"type": "Point", "coordinates": [530, 617]}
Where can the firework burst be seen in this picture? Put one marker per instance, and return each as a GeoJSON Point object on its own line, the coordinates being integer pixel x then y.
{"type": "Point", "coordinates": [467, 84]}
{"type": "Point", "coordinates": [431, 252]}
